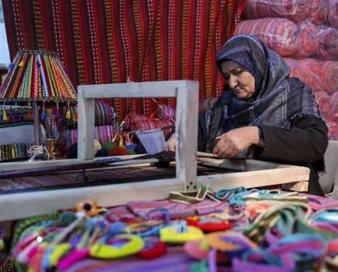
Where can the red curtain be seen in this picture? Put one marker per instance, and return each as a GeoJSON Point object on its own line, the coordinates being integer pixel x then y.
{"type": "Point", "coordinates": [107, 41]}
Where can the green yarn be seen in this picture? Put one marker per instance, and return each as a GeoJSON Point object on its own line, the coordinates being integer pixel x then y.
{"type": "Point", "coordinates": [201, 266]}
{"type": "Point", "coordinates": [23, 224]}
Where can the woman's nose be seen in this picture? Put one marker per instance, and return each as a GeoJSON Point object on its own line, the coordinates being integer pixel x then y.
{"type": "Point", "coordinates": [232, 81]}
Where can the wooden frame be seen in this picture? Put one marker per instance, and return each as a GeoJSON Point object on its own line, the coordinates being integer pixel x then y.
{"type": "Point", "coordinates": [19, 205]}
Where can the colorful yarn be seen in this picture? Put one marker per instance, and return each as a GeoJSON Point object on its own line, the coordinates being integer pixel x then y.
{"type": "Point", "coordinates": [14, 152]}
{"type": "Point", "coordinates": [29, 67]}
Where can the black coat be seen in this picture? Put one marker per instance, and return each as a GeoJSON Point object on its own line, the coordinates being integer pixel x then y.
{"type": "Point", "coordinates": [303, 144]}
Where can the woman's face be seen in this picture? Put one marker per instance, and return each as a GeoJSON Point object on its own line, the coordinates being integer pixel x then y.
{"type": "Point", "coordinates": [239, 80]}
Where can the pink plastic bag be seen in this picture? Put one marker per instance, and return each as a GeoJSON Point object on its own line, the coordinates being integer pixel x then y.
{"type": "Point", "coordinates": [295, 10]}
{"type": "Point", "coordinates": [278, 33]}
{"type": "Point", "coordinates": [328, 43]}
{"type": "Point", "coordinates": [333, 13]}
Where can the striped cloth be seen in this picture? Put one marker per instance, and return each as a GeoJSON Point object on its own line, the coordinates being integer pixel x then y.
{"type": "Point", "coordinates": [103, 134]}
{"type": "Point", "coordinates": [104, 114]}
{"type": "Point", "coordinates": [113, 41]}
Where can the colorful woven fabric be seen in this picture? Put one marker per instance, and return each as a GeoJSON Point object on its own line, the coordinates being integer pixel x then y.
{"type": "Point", "coordinates": [104, 114]}
{"type": "Point", "coordinates": [113, 41]}
{"type": "Point", "coordinates": [295, 10]}
{"type": "Point", "coordinates": [102, 133]}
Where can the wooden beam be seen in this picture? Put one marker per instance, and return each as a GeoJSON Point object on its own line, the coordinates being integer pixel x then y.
{"type": "Point", "coordinates": [21, 205]}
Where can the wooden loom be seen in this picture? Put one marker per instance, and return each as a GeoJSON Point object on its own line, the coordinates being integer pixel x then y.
{"type": "Point", "coordinates": [256, 173]}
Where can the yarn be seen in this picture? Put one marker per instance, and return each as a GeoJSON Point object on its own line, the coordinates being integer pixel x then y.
{"type": "Point", "coordinates": [279, 34]}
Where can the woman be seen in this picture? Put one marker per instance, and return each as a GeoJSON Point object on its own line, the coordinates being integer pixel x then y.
{"type": "Point", "coordinates": [263, 113]}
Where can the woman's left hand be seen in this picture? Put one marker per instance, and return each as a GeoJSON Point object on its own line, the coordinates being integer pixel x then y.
{"type": "Point", "coordinates": [235, 141]}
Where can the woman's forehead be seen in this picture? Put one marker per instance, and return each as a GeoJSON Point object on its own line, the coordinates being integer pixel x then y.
{"type": "Point", "coordinates": [228, 66]}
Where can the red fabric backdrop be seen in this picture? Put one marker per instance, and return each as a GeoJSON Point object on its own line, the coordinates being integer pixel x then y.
{"type": "Point", "coordinates": [106, 41]}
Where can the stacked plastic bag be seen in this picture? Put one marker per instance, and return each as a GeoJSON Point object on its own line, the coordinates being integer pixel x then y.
{"type": "Point", "coordinates": [305, 33]}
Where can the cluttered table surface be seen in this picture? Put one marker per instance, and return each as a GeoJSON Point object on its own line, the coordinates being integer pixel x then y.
{"type": "Point", "coordinates": [227, 230]}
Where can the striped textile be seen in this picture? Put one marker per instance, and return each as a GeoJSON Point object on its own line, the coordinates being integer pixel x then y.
{"type": "Point", "coordinates": [118, 40]}
{"type": "Point", "coordinates": [103, 134]}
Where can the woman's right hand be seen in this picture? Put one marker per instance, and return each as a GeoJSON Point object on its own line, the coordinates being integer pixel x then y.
{"type": "Point", "coordinates": [171, 143]}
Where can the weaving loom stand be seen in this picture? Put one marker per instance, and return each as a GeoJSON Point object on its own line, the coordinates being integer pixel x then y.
{"type": "Point", "coordinates": [20, 205]}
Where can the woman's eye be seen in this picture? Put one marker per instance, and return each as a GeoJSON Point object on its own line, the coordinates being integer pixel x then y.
{"type": "Point", "coordinates": [238, 71]}
{"type": "Point", "coordinates": [226, 76]}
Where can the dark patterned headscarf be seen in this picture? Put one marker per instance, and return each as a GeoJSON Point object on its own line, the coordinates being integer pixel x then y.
{"type": "Point", "coordinates": [277, 101]}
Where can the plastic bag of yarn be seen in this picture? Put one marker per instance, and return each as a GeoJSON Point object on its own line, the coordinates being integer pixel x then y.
{"type": "Point", "coordinates": [328, 43]}
{"type": "Point", "coordinates": [319, 12]}
{"type": "Point", "coordinates": [333, 13]}
{"type": "Point", "coordinates": [307, 39]}
{"type": "Point", "coordinates": [152, 140]}
{"type": "Point", "coordinates": [295, 10]}
{"type": "Point", "coordinates": [279, 34]}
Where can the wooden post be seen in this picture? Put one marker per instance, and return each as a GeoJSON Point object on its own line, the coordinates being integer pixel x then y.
{"type": "Point", "coordinates": [36, 121]}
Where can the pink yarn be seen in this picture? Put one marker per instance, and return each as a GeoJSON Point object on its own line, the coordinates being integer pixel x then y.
{"type": "Point", "coordinates": [295, 10]}
{"type": "Point", "coordinates": [307, 39]}
{"type": "Point", "coordinates": [72, 258]}
{"type": "Point", "coordinates": [278, 33]}
{"type": "Point", "coordinates": [328, 43]}
{"type": "Point", "coordinates": [329, 76]}
{"type": "Point", "coordinates": [333, 13]}
{"type": "Point", "coordinates": [334, 101]}
{"type": "Point", "coordinates": [319, 12]}
{"type": "Point", "coordinates": [165, 112]}
{"type": "Point", "coordinates": [324, 103]}
{"type": "Point", "coordinates": [301, 69]}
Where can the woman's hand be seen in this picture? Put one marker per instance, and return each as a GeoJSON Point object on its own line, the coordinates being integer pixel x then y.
{"type": "Point", "coordinates": [171, 143]}
{"type": "Point", "coordinates": [235, 141]}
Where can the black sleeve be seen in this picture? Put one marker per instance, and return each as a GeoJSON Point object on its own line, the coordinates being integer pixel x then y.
{"type": "Point", "coordinates": [305, 142]}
